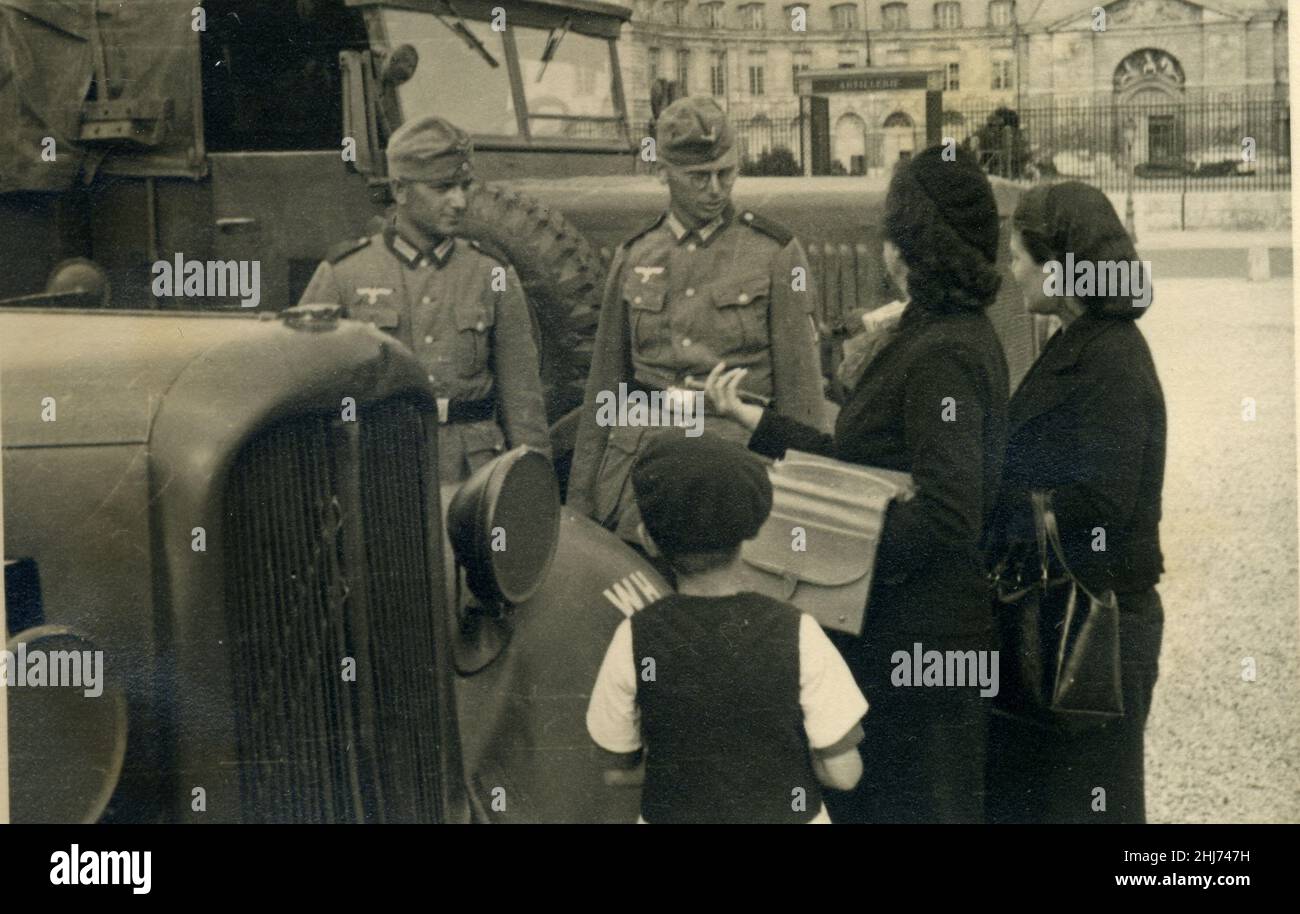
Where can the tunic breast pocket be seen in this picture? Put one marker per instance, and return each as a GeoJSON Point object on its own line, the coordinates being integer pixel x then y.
{"type": "Point", "coordinates": [740, 313]}
{"type": "Point", "coordinates": [474, 322]}
{"type": "Point", "coordinates": [645, 308]}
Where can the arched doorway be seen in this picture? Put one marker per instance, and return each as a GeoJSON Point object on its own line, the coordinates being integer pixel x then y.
{"type": "Point", "coordinates": [850, 149]}
{"type": "Point", "coordinates": [1148, 88]}
{"type": "Point", "coordinates": [899, 140]}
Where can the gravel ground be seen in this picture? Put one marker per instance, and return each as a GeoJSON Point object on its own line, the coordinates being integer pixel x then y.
{"type": "Point", "coordinates": [1221, 749]}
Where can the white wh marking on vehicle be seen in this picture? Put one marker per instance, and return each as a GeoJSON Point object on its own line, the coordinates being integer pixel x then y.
{"type": "Point", "coordinates": [631, 593]}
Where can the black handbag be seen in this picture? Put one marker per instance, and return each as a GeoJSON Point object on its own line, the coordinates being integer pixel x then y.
{"type": "Point", "coordinates": [1060, 642]}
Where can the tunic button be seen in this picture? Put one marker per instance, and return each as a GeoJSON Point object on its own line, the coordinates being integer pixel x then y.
{"type": "Point", "coordinates": [432, 378]}
{"type": "Point", "coordinates": [742, 298]}
{"type": "Point", "coordinates": [428, 340]}
{"type": "Point", "coordinates": [637, 300]}
{"type": "Point", "coordinates": [425, 300]}
{"type": "Point", "coordinates": [686, 341]}
{"type": "Point", "coordinates": [690, 292]}
{"type": "Point", "coordinates": [479, 326]}
{"type": "Point", "coordinates": [691, 246]}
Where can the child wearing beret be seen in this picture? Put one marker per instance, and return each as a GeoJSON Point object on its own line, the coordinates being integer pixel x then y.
{"type": "Point", "coordinates": [737, 706]}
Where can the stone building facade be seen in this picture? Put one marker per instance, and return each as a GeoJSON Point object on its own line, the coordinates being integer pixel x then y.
{"type": "Point", "coordinates": [987, 53]}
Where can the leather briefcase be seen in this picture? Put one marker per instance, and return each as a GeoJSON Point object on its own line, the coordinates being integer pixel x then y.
{"type": "Point", "coordinates": [817, 549]}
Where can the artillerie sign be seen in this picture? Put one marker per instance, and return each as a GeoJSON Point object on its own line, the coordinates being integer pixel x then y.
{"type": "Point", "coordinates": [867, 83]}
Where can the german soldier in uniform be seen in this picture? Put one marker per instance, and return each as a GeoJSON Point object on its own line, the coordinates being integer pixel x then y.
{"type": "Point", "coordinates": [461, 311]}
{"type": "Point", "coordinates": [702, 284]}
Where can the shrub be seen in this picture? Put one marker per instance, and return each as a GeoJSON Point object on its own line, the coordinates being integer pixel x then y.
{"type": "Point", "coordinates": [774, 162]}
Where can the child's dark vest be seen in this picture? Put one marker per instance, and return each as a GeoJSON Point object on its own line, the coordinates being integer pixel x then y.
{"type": "Point", "coordinates": [721, 720]}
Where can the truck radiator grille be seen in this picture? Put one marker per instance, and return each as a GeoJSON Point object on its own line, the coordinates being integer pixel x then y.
{"type": "Point", "coordinates": [327, 560]}
{"type": "Point", "coordinates": [402, 621]}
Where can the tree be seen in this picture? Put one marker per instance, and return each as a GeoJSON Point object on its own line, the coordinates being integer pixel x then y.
{"type": "Point", "coordinates": [1001, 144]}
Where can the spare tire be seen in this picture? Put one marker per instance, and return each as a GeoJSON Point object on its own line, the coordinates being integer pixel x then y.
{"type": "Point", "coordinates": [563, 276]}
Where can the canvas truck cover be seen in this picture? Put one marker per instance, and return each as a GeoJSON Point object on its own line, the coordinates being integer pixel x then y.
{"type": "Point", "coordinates": [51, 52]}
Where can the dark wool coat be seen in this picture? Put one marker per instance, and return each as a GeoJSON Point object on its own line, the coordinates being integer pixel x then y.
{"type": "Point", "coordinates": [1088, 423]}
{"type": "Point", "coordinates": [932, 403]}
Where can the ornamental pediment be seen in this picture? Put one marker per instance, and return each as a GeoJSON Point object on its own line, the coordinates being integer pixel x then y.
{"type": "Point", "coordinates": [1146, 13]}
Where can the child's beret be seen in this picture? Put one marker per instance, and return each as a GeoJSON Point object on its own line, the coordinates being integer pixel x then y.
{"type": "Point", "coordinates": [700, 494]}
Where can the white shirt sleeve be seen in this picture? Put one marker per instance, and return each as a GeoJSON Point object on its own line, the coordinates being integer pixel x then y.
{"type": "Point", "coordinates": [613, 717]}
{"type": "Point", "coordinates": [831, 700]}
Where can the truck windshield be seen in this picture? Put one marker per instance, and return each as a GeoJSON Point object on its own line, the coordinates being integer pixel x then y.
{"type": "Point", "coordinates": [574, 97]}
{"type": "Point", "coordinates": [453, 80]}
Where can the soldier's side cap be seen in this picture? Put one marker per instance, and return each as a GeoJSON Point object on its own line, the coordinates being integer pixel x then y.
{"type": "Point", "coordinates": [429, 148]}
{"type": "Point", "coordinates": [693, 131]}
{"type": "Point", "coordinates": [700, 494]}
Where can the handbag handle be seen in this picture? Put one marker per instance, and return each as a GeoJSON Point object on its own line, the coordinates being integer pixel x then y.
{"type": "Point", "coordinates": [1049, 533]}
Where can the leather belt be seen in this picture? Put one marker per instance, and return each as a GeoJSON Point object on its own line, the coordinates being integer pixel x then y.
{"type": "Point", "coordinates": [451, 411]}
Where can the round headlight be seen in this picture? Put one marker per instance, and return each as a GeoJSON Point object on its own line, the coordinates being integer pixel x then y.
{"type": "Point", "coordinates": [504, 524]}
{"type": "Point", "coordinates": [67, 727]}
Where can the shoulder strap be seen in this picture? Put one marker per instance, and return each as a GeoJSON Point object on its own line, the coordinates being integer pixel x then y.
{"type": "Point", "coordinates": [645, 231]}
{"type": "Point", "coordinates": [491, 255]}
{"type": "Point", "coordinates": [345, 248]}
{"type": "Point", "coordinates": [1049, 534]}
{"type": "Point", "coordinates": [774, 230]}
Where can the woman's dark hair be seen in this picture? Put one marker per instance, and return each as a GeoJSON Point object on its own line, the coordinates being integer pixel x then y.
{"type": "Point", "coordinates": [942, 215]}
{"type": "Point", "coordinates": [1056, 220]}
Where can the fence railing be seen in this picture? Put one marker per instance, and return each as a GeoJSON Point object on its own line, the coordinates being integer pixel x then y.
{"type": "Point", "coordinates": [1219, 144]}
{"type": "Point", "coordinates": [1188, 146]}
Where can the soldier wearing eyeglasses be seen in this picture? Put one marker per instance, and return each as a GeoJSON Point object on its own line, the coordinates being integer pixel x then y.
{"type": "Point", "coordinates": [461, 311]}
{"type": "Point", "coordinates": [704, 283]}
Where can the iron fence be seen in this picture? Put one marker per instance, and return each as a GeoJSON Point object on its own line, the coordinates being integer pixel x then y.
{"type": "Point", "coordinates": [1222, 143]}
{"type": "Point", "coordinates": [1219, 144]}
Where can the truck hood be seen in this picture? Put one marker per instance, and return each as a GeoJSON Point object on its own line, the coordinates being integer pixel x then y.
{"type": "Point", "coordinates": [841, 210]}
{"type": "Point", "coordinates": [102, 376]}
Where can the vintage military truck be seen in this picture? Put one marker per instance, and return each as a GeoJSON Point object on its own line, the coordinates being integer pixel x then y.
{"type": "Point", "coordinates": [242, 513]}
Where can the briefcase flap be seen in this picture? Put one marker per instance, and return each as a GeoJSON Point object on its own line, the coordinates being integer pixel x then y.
{"type": "Point", "coordinates": [818, 547]}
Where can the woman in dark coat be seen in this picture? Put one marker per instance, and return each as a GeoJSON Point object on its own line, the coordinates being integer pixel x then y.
{"type": "Point", "coordinates": [932, 402]}
{"type": "Point", "coordinates": [1087, 423]}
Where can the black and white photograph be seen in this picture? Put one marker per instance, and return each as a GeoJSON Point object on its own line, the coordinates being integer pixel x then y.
{"type": "Point", "coordinates": [648, 412]}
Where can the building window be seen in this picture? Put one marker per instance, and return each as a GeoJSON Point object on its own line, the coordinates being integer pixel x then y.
{"type": "Point", "coordinates": [1001, 12]}
{"type": "Point", "coordinates": [751, 17]}
{"type": "Point", "coordinates": [947, 15]}
{"type": "Point", "coordinates": [1001, 74]}
{"type": "Point", "coordinates": [895, 15]}
{"type": "Point", "coordinates": [802, 61]}
{"type": "Point", "coordinates": [675, 12]}
{"type": "Point", "coordinates": [844, 18]}
{"type": "Point", "coordinates": [755, 79]}
{"type": "Point", "coordinates": [711, 15]}
{"type": "Point", "coordinates": [789, 14]}
{"type": "Point", "coordinates": [652, 58]}
{"type": "Point", "coordinates": [683, 72]}
{"type": "Point", "coordinates": [718, 74]}
{"type": "Point", "coordinates": [952, 77]}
